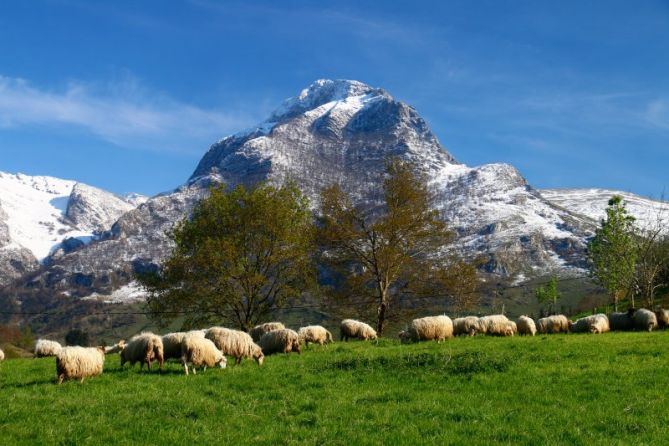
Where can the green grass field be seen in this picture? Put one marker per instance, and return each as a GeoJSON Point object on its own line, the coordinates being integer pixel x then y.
{"type": "Point", "coordinates": [558, 389]}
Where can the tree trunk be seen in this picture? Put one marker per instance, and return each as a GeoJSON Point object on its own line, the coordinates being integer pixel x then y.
{"type": "Point", "coordinates": [381, 312]}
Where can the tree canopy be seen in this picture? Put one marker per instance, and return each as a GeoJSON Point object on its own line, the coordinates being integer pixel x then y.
{"type": "Point", "coordinates": [241, 254]}
{"type": "Point", "coordinates": [400, 244]}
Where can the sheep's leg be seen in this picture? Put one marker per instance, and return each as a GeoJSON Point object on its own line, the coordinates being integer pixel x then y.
{"type": "Point", "coordinates": [61, 378]}
{"type": "Point", "coordinates": [194, 371]}
{"type": "Point", "coordinates": [238, 360]}
{"type": "Point", "coordinates": [81, 381]}
{"type": "Point", "coordinates": [186, 368]}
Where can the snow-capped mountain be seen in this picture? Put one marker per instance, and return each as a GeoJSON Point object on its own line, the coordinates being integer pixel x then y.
{"type": "Point", "coordinates": [340, 131]}
{"type": "Point", "coordinates": [41, 215]}
{"type": "Point", "coordinates": [593, 202]}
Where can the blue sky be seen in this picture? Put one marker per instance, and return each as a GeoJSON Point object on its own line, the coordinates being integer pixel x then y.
{"type": "Point", "coordinates": [128, 96]}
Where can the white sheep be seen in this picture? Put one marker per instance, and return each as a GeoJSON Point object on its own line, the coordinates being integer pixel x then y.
{"type": "Point", "coordinates": [526, 326]}
{"type": "Point", "coordinates": [350, 328]}
{"type": "Point", "coordinates": [116, 348]}
{"type": "Point", "coordinates": [496, 325]}
{"type": "Point", "coordinates": [553, 324]}
{"type": "Point", "coordinates": [662, 318]}
{"type": "Point", "coordinates": [235, 343]}
{"type": "Point", "coordinates": [143, 348]}
{"type": "Point", "coordinates": [430, 328]}
{"type": "Point", "coordinates": [2, 355]}
{"type": "Point", "coordinates": [79, 362]}
{"type": "Point", "coordinates": [644, 320]}
{"type": "Point", "coordinates": [596, 323]}
{"type": "Point", "coordinates": [200, 352]}
{"type": "Point", "coordinates": [259, 330]}
{"type": "Point", "coordinates": [621, 321]}
{"type": "Point", "coordinates": [280, 341]}
{"type": "Point", "coordinates": [44, 347]}
{"type": "Point", "coordinates": [314, 334]}
{"type": "Point", "coordinates": [468, 325]}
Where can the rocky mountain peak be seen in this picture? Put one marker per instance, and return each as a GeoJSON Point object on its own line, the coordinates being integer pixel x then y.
{"type": "Point", "coordinates": [333, 131]}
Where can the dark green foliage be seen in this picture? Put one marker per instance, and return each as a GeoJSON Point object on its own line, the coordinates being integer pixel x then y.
{"type": "Point", "coordinates": [242, 254]}
{"type": "Point", "coordinates": [549, 293]}
{"type": "Point", "coordinates": [77, 337]}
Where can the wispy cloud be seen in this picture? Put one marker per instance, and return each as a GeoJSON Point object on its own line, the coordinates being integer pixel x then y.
{"type": "Point", "coordinates": [122, 113]}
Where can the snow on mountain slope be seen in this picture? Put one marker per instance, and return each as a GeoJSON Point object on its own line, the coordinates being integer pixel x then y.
{"type": "Point", "coordinates": [40, 211]}
{"type": "Point", "coordinates": [341, 131]}
{"type": "Point", "coordinates": [593, 202]}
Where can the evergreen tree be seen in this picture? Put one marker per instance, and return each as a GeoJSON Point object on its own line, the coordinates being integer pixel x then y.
{"type": "Point", "coordinates": [549, 293]}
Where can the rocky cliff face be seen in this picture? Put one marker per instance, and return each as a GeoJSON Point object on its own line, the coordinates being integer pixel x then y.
{"type": "Point", "coordinates": [338, 131]}
{"type": "Point", "coordinates": [41, 218]}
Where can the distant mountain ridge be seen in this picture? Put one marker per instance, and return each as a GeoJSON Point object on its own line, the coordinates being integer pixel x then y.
{"type": "Point", "coordinates": [333, 131]}
{"type": "Point", "coordinates": [42, 216]}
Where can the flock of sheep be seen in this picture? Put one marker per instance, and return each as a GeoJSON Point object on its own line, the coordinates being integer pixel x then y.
{"type": "Point", "coordinates": [209, 347]}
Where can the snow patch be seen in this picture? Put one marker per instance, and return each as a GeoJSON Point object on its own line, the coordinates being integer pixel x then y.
{"type": "Point", "coordinates": [131, 292]}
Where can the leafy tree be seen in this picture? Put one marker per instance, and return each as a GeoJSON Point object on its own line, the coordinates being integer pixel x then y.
{"type": "Point", "coordinates": [77, 336]}
{"type": "Point", "coordinates": [241, 254]}
{"type": "Point", "coordinates": [397, 247]}
{"type": "Point", "coordinates": [612, 252]}
{"type": "Point", "coordinates": [549, 293]}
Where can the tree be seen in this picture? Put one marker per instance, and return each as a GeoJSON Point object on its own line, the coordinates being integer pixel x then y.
{"type": "Point", "coordinates": [77, 336]}
{"type": "Point", "coordinates": [652, 258]}
{"type": "Point", "coordinates": [241, 255]}
{"type": "Point", "coordinates": [549, 293]}
{"type": "Point", "coordinates": [398, 246]}
{"type": "Point", "coordinates": [612, 251]}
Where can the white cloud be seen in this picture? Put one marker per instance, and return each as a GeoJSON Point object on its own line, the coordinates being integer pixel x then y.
{"type": "Point", "coordinates": [121, 113]}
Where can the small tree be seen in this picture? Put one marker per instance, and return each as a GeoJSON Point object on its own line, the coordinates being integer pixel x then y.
{"type": "Point", "coordinates": [549, 293]}
{"type": "Point", "coordinates": [652, 257]}
{"type": "Point", "coordinates": [241, 255]}
{"type": "Point", "coordinates": [612, 252]}
{"type": "Point", "coordinates": [392, 248]}
{"type": "Point", "coordinates": [77, 336]}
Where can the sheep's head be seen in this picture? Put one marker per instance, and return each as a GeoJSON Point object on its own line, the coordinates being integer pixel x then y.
{"type": "Point", "coordinates": [260, 358]}
{"type": "Point", "coordinates": [223, 362]}
{"type": "Point", "coordinates": [404, 336]}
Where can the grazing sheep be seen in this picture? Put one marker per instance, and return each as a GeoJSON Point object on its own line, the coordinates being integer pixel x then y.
{"type": "Point", "coordinates": [495, 325]}
{"type": "Point", "coordinates": [526, 326]}
{"type": "Point", "coordinates": [431, 328]}
{"type": "Point", "coordinates": [143, 348]}
{"type": "Point", "coordinates": [79, 362]}
{"type": "Point", "coordinates": [514, 328]}
{"type": "Point", "coordinates": [200, 352]}
{"type": "Point", "coordinates": [2, 355]}
{"type": "Point", "coordinates": [662, 318]}
{"type": "Point", "coordinates": [259, 330]}
{"type": "Point", "coordinates": [553, 324]}
{"type": "Point", "coordinates": [235, 343]}
{"type": "Point", "coordinates": [314, 334]}
{"type": "Point", "coordinates": [597, 323]}
{"type": "Point", "coordinates": [44, 347]}
{"type": "Point", "coordinates": [280, 341]}
{"type": "Point", "coordinates": [622, 321]}
{"type": "Point", "coordinates": [468, 325]}
{"type": "Point", "coordinates": [644, 320]}
{"type": "Point", "coordinates": [116, 348]}
{"type": "Point", "coordinates": [350, 328]}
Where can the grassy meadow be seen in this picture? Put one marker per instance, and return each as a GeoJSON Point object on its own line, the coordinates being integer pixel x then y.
{"type": "Point", "coordinates": [557, 389]}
